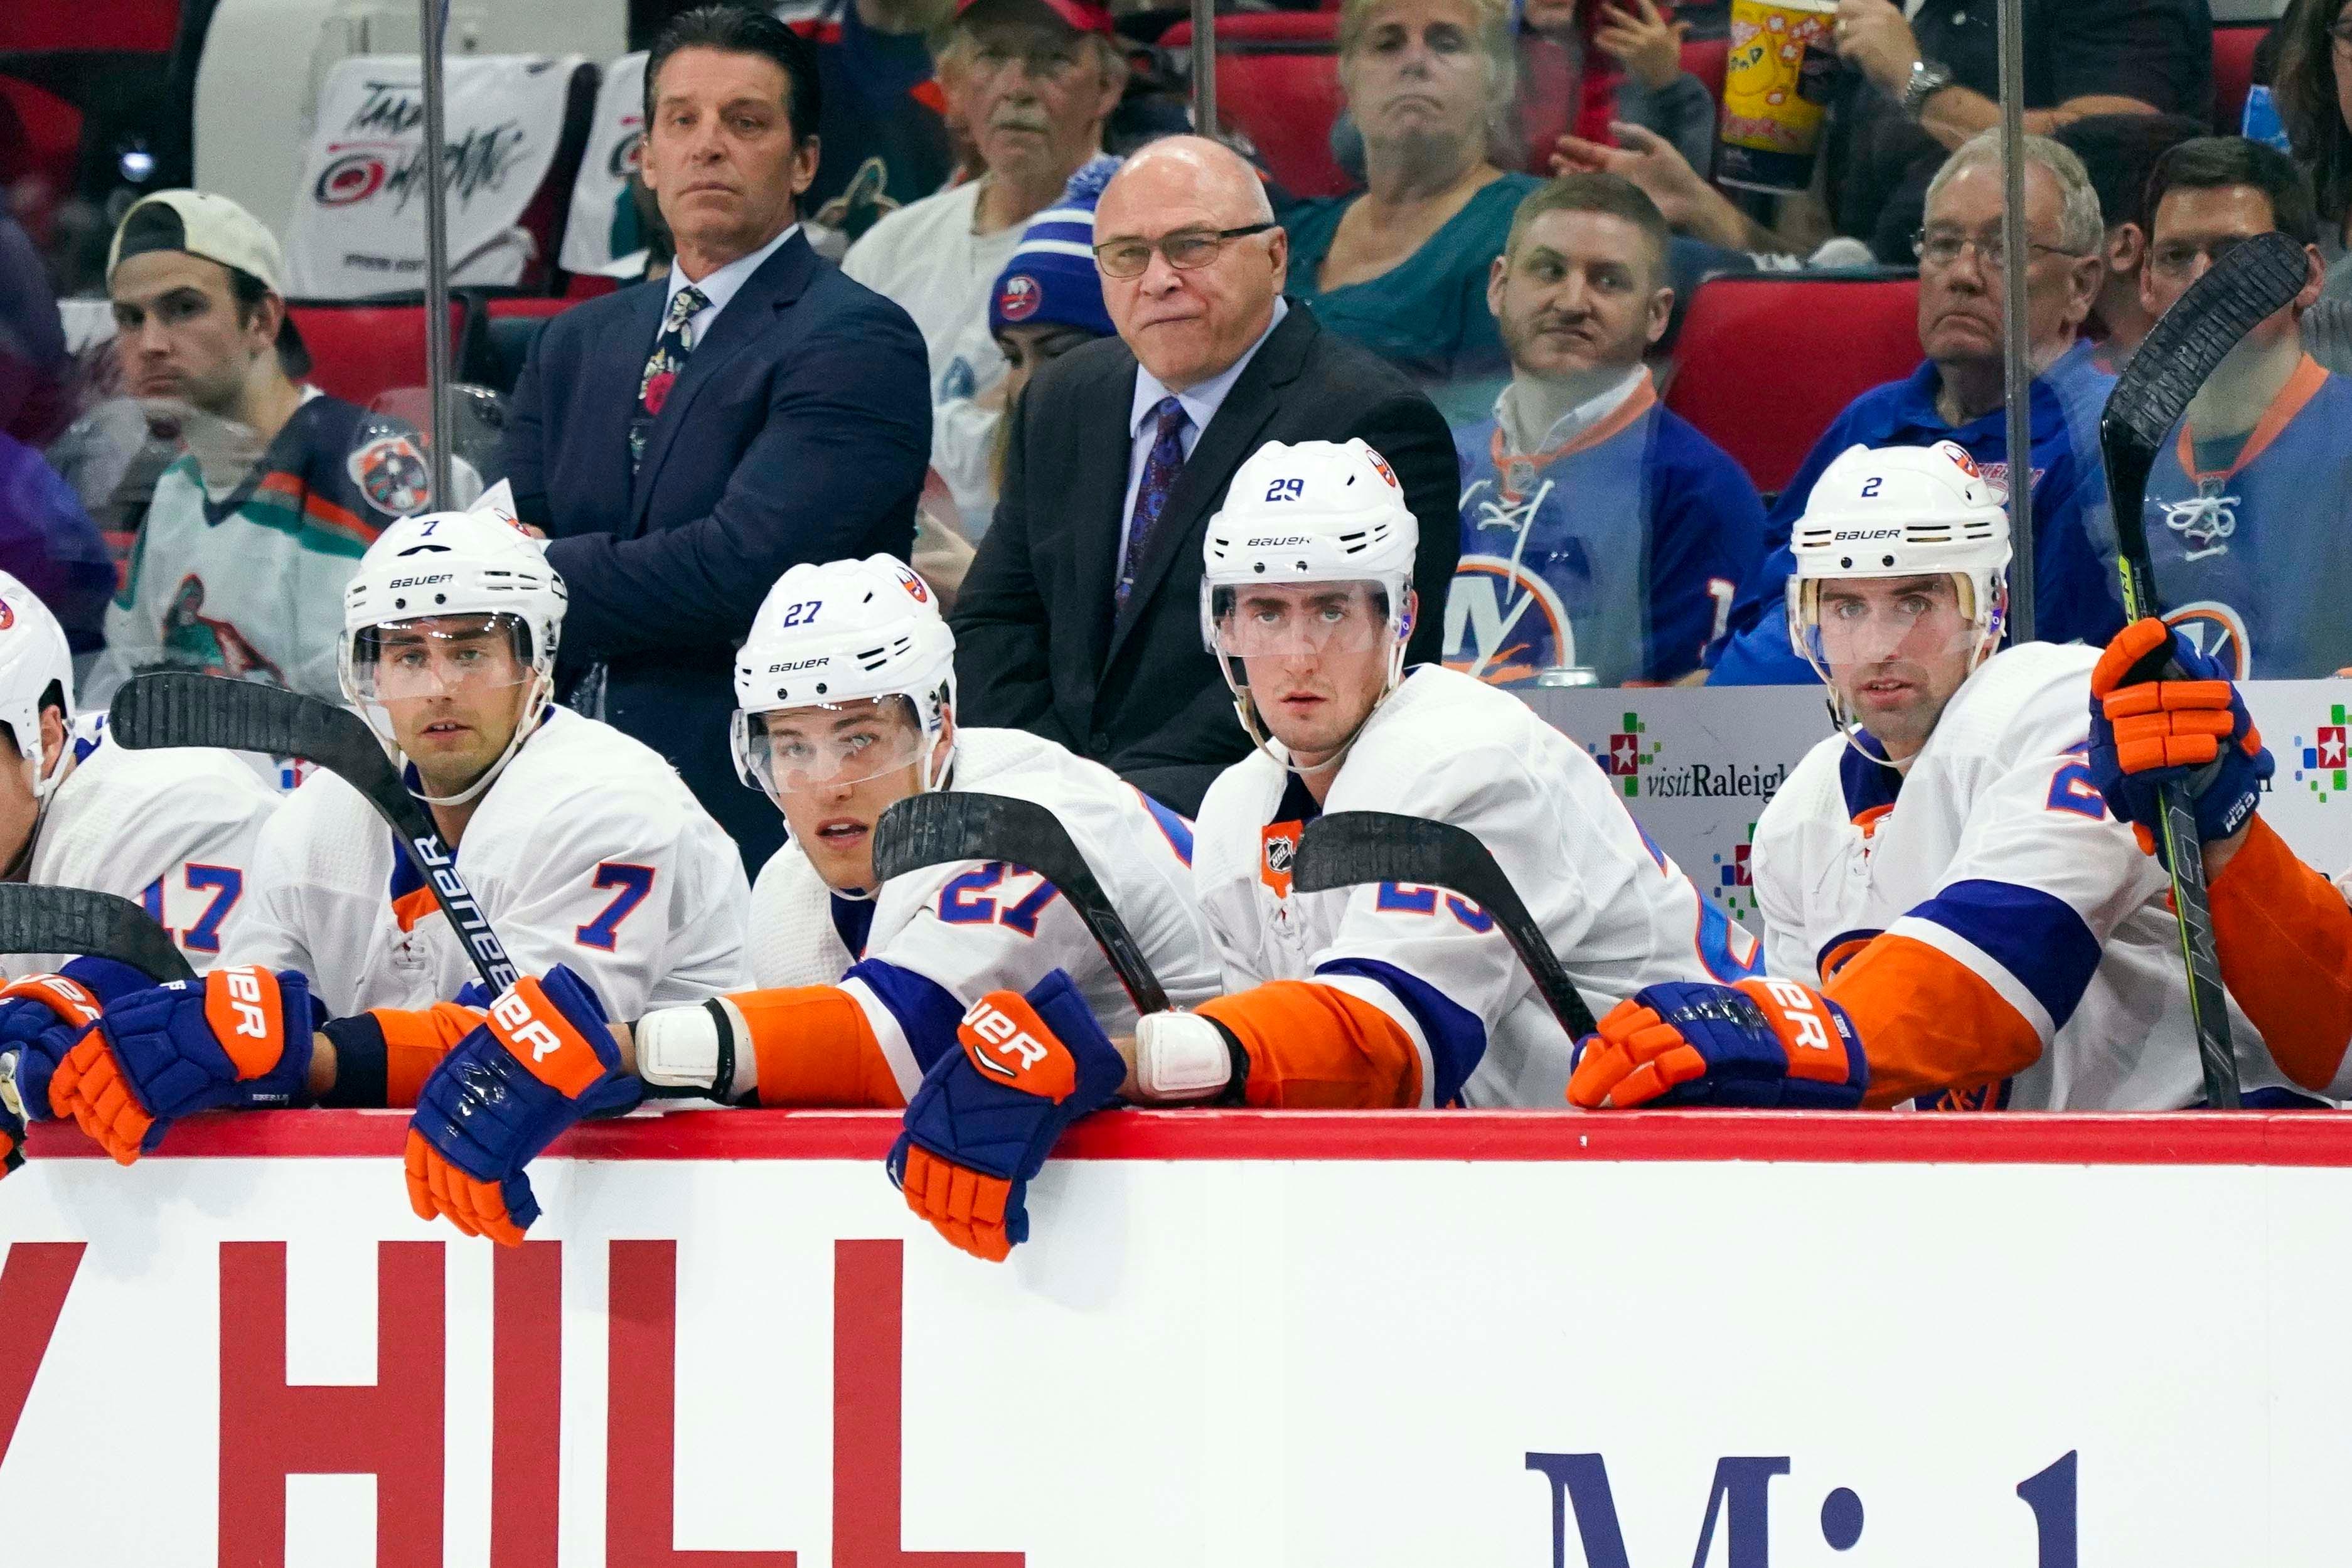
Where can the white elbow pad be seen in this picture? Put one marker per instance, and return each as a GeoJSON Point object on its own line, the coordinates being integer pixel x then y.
{"type": "Point", "coordinates": [702, 1050]}
{"type": "Point", "coordinates": [1182, 1056]}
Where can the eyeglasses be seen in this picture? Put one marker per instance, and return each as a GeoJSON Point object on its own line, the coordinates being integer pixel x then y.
{"type": "Point", "coordinates": [1187, 250]}
{"type": "Point", "coordinates": [1940, 248]}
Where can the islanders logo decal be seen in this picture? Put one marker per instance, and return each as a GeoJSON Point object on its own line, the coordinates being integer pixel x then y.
{"type": "Point", "coordinates": [1504, 624]}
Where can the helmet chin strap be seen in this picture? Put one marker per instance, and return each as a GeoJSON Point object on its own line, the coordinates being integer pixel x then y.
{"type": "Point", "coordinates": [1988, 639]}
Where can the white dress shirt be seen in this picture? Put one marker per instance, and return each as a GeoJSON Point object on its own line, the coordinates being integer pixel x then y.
{"type": "Point", "coordinates": [723, 284]}
{"type": "Point", "coordinates": [1201, 404]}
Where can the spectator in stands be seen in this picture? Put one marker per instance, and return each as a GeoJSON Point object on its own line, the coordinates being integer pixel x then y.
{"type": "Point", "coordinates": [1927, 77]}
{"type": "Point", "coordinates": [2120, 150]}
{"type": "Point", "coordinates": [273, 490]}
{"type": "Point", "coordinates": [1401, 267]}
{"type": "Point", "coordinates": [1046, 301]}
{"type": "Point", "coordinates": [2314, 84]}
{"type": "Point", "coordinates": [882, 131]}
{"type": "Point", "coordinates": [1081, 618]}
{"type": "Point", "coordinates": [1957, 395]}
{"type": "Point", "coordinates": [35, 369]}
{"type": "Point", "coordinates": [1648, 85]}
{"type": "Point", "coordinates": [1041, 76]}
{"type": "Point", "coordinates": [2249, 510]}
{"type": "Point", "coordinates": [686, 441]}
{"type": "Point", "coordinates": [1599, 532]}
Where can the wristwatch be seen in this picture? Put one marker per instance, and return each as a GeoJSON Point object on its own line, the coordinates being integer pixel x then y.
{"type": "Point", "coordinates": [1926, 80]}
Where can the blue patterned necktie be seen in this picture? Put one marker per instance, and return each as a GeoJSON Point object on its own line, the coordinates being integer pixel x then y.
{"type": "Point", "coordinates": [662, 368]}
{"type": "Point", "coordinates": [1159, 471]}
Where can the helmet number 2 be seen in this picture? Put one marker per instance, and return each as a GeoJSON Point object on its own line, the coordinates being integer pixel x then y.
{"type": "Point", "coordinates": [1286, 490]}
{"type": "Point", "coordinates": [1870, 485]}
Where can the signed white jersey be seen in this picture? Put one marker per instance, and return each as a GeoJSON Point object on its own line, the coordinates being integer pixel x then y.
{"type": "Point", "coordinates": [587, 851]}
{"type": "Point", "coordinates": [1617, 911]}
{"type": "Point", "coordinates": [943, 938]}
{"type": "Point", "coordinates": [1996, 856]}
{"type": "Point", "coordinates": [172, 830]}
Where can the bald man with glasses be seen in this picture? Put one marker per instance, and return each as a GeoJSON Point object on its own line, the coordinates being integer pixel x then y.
{"type": "Point", "coordinates": [1080, 618]}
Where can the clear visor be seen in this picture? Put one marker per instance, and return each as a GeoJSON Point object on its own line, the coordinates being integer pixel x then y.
{"type": "Point", "coordinates": [441, 655]}
{"type": "Point", "coordinates": [1899, 628]}
{"type": "Point", "coordinates": [1259, 620]}
{"type": "Point", "coordinates": [826, 745]}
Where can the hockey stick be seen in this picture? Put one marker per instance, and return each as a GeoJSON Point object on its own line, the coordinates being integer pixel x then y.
{"type": "Point", "coordinates": [174, 707]}
{"type": "Point", "coordinates": [78, 920]}
{"type": "Point", "coordinates": [948, 825]}
{"type": "Point", "coordinates": [1348, 848]}
{"type": "Point", "coordinates": [2251, 282]}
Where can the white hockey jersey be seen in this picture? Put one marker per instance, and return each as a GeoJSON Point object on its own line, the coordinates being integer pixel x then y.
{"type": "Point", "coordinates": [1615, 908]}
{"type": "Point", "coordinates": [172, 830]}
{"type": "Point", "coordinates": [943, 938]}
{"type": "Point", "coordinates": [1997, 857]}
{"type": "Point", "coordinates": [588, 851]}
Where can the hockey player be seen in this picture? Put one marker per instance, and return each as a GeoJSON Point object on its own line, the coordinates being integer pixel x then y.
{"type": "Point", "coordinates": [172, 830]}
{"type": "Point", "coordinates": [1952, 915]}
{"type": "Point", "coordinates": [847, 691]}
{"type": "Point", "coordinates": [2283, 930]}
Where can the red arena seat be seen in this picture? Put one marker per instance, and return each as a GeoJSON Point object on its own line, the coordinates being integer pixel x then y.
{"type": "Point", "coordinates": [1278, 82]}
{"type": "Point", "coordinates": [359, 351]}
{"type": "Point", "coordinates": [1704, 58]}
{"type": "Point", "coordinates": [2233, 74]}
{"type": "Point", "coordinates": [1764, 363]}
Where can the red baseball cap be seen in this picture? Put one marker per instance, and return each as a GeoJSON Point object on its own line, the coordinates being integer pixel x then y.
{"type": "Point", "coordinates": [1078, 16]}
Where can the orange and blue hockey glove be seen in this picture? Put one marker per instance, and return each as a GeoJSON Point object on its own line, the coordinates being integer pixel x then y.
{"type": "Point", "coordinates": [541, 1062]}
{"type": "Point", "coordinates": [41, 1016]}
{"type": "Point", "coordinates": [236, 1040]}
{"type": "Point", "coordinates": [986, 1116]}
{"type": "Point", "coordinates": [2147, 732]}
{"type": "Point", "coordinates": [12, 1116]}
{"type": "Point", "coordinates": [1763, 1044]}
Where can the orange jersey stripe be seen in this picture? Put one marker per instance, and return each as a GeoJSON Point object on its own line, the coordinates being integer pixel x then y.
{"type": "Point", "coordinates": [1317, 1047]}
{"type": "Point", "coordinates": [413, 906]}
{"type": "Point", "coordinates": [2285, 935]}
{"type": "Point", "coordinates": [816, 1050]}
{"type": "Point", "coordinates": [415, 1043]}
{"type": "Point", "coordinates": [1929, 1023]}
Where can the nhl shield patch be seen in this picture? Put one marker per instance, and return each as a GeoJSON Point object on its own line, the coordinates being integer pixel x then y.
{"type": "Point", "coordinates": [1281, 849]}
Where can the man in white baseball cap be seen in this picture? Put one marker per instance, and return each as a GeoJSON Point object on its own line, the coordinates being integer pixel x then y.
{"type": "Point", "coordinates": [276, 489]}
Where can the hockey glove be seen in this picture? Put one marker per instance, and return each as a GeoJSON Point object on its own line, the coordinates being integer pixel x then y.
{"type": "Point", "coordinates": [986, 1116]}
{"type": "Point", "coordinates": [41, 1016]}
{"type": "Point", "coordinates": [1763, 1044]}
{"type": "Point", "coordinates": [2147, 732]}
{"type": "Point", "coordinates": [12, 1115]}
{"type": "Point", "coordinates": [238, 1040]}
{"type": "Point", "coordinates": [542, 1061]}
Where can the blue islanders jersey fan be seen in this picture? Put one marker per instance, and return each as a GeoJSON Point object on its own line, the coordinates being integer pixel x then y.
{"type": "Point", "coordinates": [2246, 533]}
{"type": "Point", "coordinates": [1616, 550]}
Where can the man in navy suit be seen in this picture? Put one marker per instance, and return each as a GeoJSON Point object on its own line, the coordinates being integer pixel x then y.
{"type": "Point", "coordinates": [681, 445]}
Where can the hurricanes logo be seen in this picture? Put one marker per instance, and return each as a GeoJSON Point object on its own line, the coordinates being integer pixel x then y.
{"type": "Point", "coordinates": [1504, 624]}
{"type": "Point", "coordinates": [2321, 765]}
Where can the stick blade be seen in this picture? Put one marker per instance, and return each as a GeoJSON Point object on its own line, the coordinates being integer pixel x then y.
{"type": "Point", "coordinates": [36, 919]}
{"type": "Point", "coordinates": [181, 707]}
{"type": "Point", "coordinates": [2253, 280]}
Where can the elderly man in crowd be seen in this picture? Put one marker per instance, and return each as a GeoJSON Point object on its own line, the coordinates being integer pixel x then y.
{"type": "Point", "coordinates": [1957, 395]}
{"type": "Point", "coordinates": [1081, 618]}
{"type": "Point", "coordinates": [1040, 77]}
{"type": "Point", "coordinates": [1599, 531]}
{"type": "Point", "coordinates": [685, 442]}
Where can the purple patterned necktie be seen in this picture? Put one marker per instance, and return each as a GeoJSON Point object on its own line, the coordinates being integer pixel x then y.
{"type": "Point", "coordinates": [662, 368]}
{"type": "Point", "coordinates": [1159, 471]}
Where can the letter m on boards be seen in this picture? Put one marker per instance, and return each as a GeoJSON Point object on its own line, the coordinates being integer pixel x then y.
{"type": "Point", "coordinates": [1579, 1492]}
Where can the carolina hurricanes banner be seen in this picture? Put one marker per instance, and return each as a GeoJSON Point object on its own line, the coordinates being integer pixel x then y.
{"type": "Point", "coordinates": [616, 137]}
{"type": "Point", "coordinates": [1236, 1341]}
{"type": "Point", "coordinates": [359, 215]}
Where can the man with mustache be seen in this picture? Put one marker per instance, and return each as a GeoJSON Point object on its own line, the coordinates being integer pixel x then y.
{"type": "Point", "coordinates": [1039, 78]}
{"type": "Point", "coordinates": [1599, 531]}
{"type": "Point", "coordinates": [1957, 395]}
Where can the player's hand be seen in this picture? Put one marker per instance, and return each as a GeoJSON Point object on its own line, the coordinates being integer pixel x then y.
{"type": "Point", "coordinates": [2149, 731]}
{"type": "Point", "coordinates": [987, 1116]}
{"type": "Point", "coordinates": [1762, 1043]}
{"type": "Point", "coordinates": [237, 1039]}
{"type": "Point", "coordinates": [540, 1062]}
{"type": "Point", "coordinates": [41, 1016]}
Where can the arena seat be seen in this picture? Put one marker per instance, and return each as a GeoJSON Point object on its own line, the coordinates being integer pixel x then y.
{"type": "Point", "coordinates": [359, 351]}
{"type": "Point", "coordinates": [1278, 82]}
{"type": "Point", "coordinates": [115, 27]}
{"type": "Point", "coordinates": [1764, 363]}
{"type": "Point", "coordinates": [2233, 74]}
{"type": "Point", "coordinates": [1704, 58]}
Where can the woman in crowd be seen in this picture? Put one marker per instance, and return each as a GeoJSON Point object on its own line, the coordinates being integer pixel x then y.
{"type": "Point", "coordinates": [1401, 267]}
{"type": "Point", "coordinates": [2314, 87]}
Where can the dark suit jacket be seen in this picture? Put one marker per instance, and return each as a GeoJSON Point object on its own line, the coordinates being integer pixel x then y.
{"type": "Point", "coordinates": [799, 431]}
{"type": "Point", "coordinates": [1037, 645]}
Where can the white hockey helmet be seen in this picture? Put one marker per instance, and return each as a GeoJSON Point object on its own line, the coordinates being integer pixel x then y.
{"type": "Point", "coordinates": [1313, 512]}
{"type": "Point", "coordinates": [469, 563]}
{"type": "Point", "coordinates": [1902, 511]}
{"type": "Point", "coordinates": [847, 638]}
{"type": "Point", "coordinates": [32, 658]}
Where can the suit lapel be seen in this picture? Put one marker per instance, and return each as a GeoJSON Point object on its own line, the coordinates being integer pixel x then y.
{"type": "Point", "coordinates": [780, 280]}
{"type": "Point", "coordinates": [1232, 434]}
